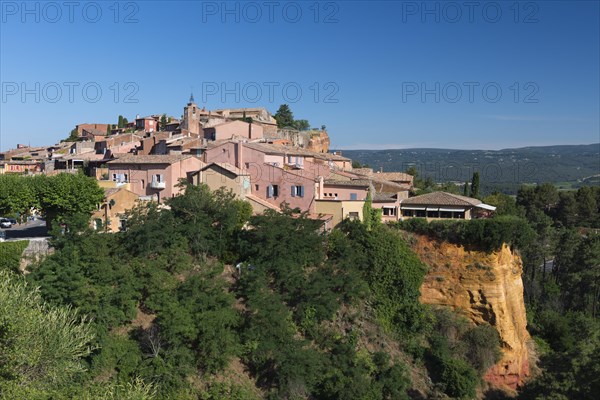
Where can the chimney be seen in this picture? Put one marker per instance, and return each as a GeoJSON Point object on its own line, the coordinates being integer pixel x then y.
{"type": "Point", "coordinates": [239, 157]}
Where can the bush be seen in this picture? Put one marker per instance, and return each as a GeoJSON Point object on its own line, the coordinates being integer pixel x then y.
{"type": "Point", "coordinates": [486, 234]}
{"type": "Point", "coordinates": [10, 254]}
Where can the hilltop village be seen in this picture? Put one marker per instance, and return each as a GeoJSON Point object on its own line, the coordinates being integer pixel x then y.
{"type": "Point", "coordinates": [243, 150]}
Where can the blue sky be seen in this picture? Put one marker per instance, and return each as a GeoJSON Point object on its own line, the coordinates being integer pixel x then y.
{"type": "Point", "coordinates": [378, 74]}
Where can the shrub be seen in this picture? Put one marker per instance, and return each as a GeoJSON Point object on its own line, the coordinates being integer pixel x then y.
{"type": "Point", "coordinates": [10, 254]}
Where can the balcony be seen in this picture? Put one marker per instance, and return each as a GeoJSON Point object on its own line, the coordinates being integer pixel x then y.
{"type": "Point", "coordinates": [158, 185]}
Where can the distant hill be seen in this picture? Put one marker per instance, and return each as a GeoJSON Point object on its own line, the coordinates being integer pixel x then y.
{"type": "Point", "coordinates": [567, 166]}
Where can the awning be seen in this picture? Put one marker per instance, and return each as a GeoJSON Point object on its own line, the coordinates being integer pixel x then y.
{"type": "Point", "coordinates": [486, 207]}
{"type": "Point", "coordinates": [452, 209]}
{"type": "Point", "coordinates": [432, 208]}
{"type": "Point", "coordinates": [391, 207]}
{"type": "Point", "coordinates": [412, 208]}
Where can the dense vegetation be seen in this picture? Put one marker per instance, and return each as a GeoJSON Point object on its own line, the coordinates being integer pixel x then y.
{"type": "Point", "coordinates": [166, 317]}
{"type": "Point", "coordinates": [56, 196]}
{"type": "Point", "coordinates": [202, 300]}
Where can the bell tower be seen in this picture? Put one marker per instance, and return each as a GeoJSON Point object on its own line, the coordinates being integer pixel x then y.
{"type": "Point", "coordinates": [191, 118]}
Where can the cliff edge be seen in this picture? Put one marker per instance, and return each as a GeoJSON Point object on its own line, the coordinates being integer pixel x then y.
{"type": "Point", "coordinates": [485, 288]}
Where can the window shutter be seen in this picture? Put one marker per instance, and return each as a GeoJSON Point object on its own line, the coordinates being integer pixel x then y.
{"type": "Point", "coordinates": [301, 191]}
{"type": "Point", "coordinates": [293, 191]}
{"type": "Point", "coordinates": [269, 191]}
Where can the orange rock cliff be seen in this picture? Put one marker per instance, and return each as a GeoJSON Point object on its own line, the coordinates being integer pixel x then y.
{"type": "Point", "coordinates": [485, 288]}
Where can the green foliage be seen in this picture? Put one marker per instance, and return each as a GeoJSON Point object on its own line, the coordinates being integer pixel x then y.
{"type": "Point", "coordinates": [73, 136]}
{"type": "Point", "coordinates": [475, 185]}
{"type": "Point", "coordinates": [284, 117]}
{"type": "Point", "coordinates": [41, 347]}
{"type": "Point", "coordinates": [487, 234]}
{"type": "Point", "coordinates": [301, 124]}
{"type": "Point", "coordinates": [87, 272]}
{"type": "Point", "coordinates": [572, 366]}
{"type": "Point", "coordinates": [18, 194]}
{"type": "Point", "coordinates": [63, 195]}
{"type": "Point", "coordinates": [10, 254]}
{"type": "Point", "coordinates": [394, 274]}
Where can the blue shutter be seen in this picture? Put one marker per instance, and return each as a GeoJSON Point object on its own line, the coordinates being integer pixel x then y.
{"type": "Point", "coordinates": [301, 191]}
{"type": "Point", "coordinates": [353, 196]}
{"type": "Point", "coordinates": [293, 191]}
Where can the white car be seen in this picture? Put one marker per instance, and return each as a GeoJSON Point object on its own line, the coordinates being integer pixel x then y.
{"type": "Point", "coordinates": [5, 223]}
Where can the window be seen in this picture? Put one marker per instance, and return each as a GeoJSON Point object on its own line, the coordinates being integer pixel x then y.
{"type": "Point", "coordinates": [353, 215]}
{"type": "Point", "coordinates": [389, 211]}
{"type": "Point", "coordinates": [256, 187]}
{"type": "Point", "coordinates": [353, 196]}
{"type": "Point", "coordinates": [157, 178]}
{"type": "Point", "coordinates": [120, 177]}
{"type": "Point", "coordinates": [143, 184]}
{"type": "Point", "coordinates": [272, 191]}
{"type": "Point", "coordinates": [297, 191]}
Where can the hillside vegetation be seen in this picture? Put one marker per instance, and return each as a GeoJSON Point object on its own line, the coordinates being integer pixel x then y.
{"type": "Point", "coordinates": [201, 300]}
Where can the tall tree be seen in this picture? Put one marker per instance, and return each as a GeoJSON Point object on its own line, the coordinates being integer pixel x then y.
{"type": "Point", "coordinates": [586, 206]}
{"type": "Point", "coordinates": [121, 123]}
{"type": "Point", "coordinates": [466, 188]}
{"type": "Point", "coordinates": [284, 116]}
{"type": "Point", "coordinates": [475, 185]}
{"type": "Point", "coordinates": [163, 122]}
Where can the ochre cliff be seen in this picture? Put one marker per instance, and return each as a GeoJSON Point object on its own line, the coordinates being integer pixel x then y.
{"type": "Point", "coordinates": [319, 142]}
{"type": "Point", "coordinates": [486, 288]}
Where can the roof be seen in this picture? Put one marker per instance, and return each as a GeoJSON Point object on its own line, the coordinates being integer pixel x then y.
{"type": "Point", "coordinates": [384, 197]}
{"type": "Point", "coordinates": [355, 183]}
{"type": "Point", "coordinates": [363, 171]}
{"type": "Point", "coordinates": [441, 199]}
{"type": "Point", "coordinates": [150, 159]}
{"type": "Point", "coordinates": [394, 176]}
{"type": "Point", "coordinates": [228, 167]}
{"type": "Point", "coordinates": [89, 156]}
{"type": "Point", "coordinates": [262, 202]}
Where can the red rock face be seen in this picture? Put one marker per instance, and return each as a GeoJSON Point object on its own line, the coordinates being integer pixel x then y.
{"type": "Point", "coordinates": [319, 143]}
{"type": "Point", "coordinates": [485, 288]}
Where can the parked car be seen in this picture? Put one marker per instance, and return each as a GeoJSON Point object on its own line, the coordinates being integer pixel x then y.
{"type": "Point", "coordinates": [5, 223]}
{"type": "Point", "coordinates": [12, 221]}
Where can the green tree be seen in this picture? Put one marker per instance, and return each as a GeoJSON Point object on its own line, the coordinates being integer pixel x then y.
{"type": "Point", "coordinates": [18, 195]}
{"type": "Point", "coordinates": [586, 206]}
{"type": "Point", "coordinates": [475, 185]}
{"type": "Point", "coordinates": [121, 122]}
{"type": "Point", "coordinates": [567, 209]}
{"type": "Point", "coordinates": [368, 211]}
{"type": "Point", "coordinates": [284, 117]}
{"type": "Point", "coordinates": [41, 347]}
{"type": "Point", "coordinates": [466, 189]}
{"type": "Point", "coordinates": [163, 122]}
{"type": "Point", "coordinates": [63, 195]}
{"type": "Point", "coordinates": [301, 124]}
{"type": "Point", "coordinates": [73, 136]}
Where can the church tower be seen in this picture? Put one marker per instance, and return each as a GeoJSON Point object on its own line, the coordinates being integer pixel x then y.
{"type": "Point", "coordinates": [191, 118]}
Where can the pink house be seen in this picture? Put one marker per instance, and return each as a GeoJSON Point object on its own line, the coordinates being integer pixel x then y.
{"type": "Point", "coordinates": [147, 124]}
{"type": "Point", "coordinates": [153, 175]}
{"type": "Point", "coordinates": [228, 130]}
